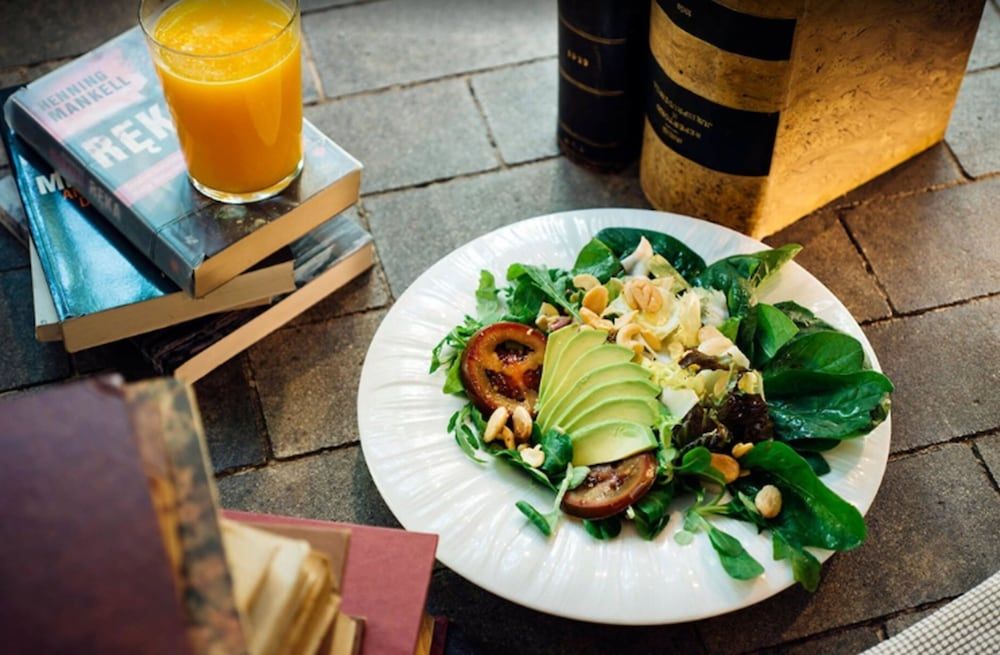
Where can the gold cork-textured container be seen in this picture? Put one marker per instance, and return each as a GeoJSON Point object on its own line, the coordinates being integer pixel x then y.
{"type": "Point", "coordinates": [762, 110]}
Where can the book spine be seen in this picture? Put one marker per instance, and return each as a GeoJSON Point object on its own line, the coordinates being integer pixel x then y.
{"type": "Point", "coordinates": [602, 59]}
{"type": "Point", "coordinates": [717, 82]}
{"type": "Point", "coordinates": [127, 221]}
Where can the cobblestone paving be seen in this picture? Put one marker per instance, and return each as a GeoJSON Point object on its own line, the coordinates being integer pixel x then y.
{"type": "Point", "coordinates": [451, 105]}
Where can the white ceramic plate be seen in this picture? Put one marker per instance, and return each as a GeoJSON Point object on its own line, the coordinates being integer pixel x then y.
{"type": "Point", "coordinates": [432, 487]}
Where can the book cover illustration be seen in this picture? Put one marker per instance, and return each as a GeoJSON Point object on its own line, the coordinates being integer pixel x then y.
{"type": "Point", "coordinates": [103, 123]}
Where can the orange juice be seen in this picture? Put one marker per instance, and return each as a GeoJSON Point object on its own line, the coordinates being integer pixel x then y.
{"type": "Point", "coordinates": [231, 74]}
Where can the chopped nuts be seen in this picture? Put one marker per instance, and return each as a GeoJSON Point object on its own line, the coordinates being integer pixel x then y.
{"type": "Point", "coordinates": [630, 337]}
{"type": "Point", "coordinates": [509, 442]}
{"type": "Point", "coordinates": [585, 281]}
{"type": "Point", "coordinates": [639, 293]}
{"type": "Point", "coordinates": [768, 501]}
{"type": "Point", "coordinates": [595, 321]}
{"type": "Point", "coordinates": [651, 340]}
{"type": "Point", "coordinates": [596, 300]}
{"type": "Point", "coordinates": [727, 466]}
{"type": "Point", "coordinates": [522, 423]}
{"type": "Point", "coordinates": [741, 449]}
{"type": "Point", "coordinates": [533, 457]}
{"type": "Point", "coordinates": [496, 424]}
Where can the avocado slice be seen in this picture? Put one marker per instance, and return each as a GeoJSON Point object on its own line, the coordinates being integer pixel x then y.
{"type": "Point", "coordinates": [564, 358]}
{"type": "Point", "coordinates": [596, 386]}
{"type": "Point", "coordinates": [610, 441]}
{"type": "Point", "coordinates": [554, 346]}
{"type": "Point", "coordinates": [604, 354]}
{"type": "Point", "coordinates": [641, 410]}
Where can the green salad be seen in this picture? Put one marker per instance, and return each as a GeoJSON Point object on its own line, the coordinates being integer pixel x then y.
{"type": "Point", "coordinates": [644, 375]}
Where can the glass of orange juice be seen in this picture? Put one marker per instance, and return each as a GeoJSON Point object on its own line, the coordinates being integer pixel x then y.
{"type": "Point", "coordinates": [231, 74]}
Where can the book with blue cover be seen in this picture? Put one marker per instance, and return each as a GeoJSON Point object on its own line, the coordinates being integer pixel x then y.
{"type": "Point", "coordinates": [100, 286]}
{"type": "Point", "coordinates": [103, 123]}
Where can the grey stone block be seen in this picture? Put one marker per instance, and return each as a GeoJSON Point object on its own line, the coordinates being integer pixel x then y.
{"type": "Point", "coordinates": [932, 248]}
{"type": "Point", "coordinates": [974, 131]}
{"type": "Point", "coordinates": [334, 485]}
{"type": "Point", "coordinates": [231, 416]}
{"type": "Point", "coordinates": [931, 535]}
{"type": "Point", "coordinates": [484, 623]}
{"type": "Point", "coordinates": [986, 51]}
{"type": "Point", "coordinates": [847, 642]}
{"type": "Point", "coordinates": [933, 167]}
{"type": "Point", "coordinates": [39, 31]}
{"type": "Point", "coordinates": [989, 448]}
{"type": "Point", "coordinates": [945, 368]}
{"type": "Point", "coordinates": [827, 253]}
{"type": "Point", "coordinates": [409, 136]}
{"type": "Point", "coordinates": [307, 378]}
{"type": "Point", "coordinates": [415, 228]}
{"type": "Point", "coordinates": [320, 5]}
{"type": "Point", "coordinates": [375, 45]}
{"type": "Point", "coordinates": [903, 621]}
{"type": "Point", "coordinates": [23, 360]}
{"type": "Point", "coordinates": [521, 106]}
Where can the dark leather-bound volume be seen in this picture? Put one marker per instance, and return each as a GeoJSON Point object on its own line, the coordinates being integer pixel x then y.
{"type": "Point", "coordinates": [603, 53]}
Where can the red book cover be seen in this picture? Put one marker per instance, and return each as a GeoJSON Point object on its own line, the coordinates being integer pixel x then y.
{"type": "Point", "coordinates": [386, 579]}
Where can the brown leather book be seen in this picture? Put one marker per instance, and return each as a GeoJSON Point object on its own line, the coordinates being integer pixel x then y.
{"type": "Point", "coordinates": [82, 563]}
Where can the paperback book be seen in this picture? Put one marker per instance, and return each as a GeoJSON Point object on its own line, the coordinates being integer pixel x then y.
{"type": "Point", "coordinates": [102, 122]}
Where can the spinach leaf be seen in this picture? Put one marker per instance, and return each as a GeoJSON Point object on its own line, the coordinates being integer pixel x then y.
{"type": "Point", "coordinates": [826, 351]}
{"type": "Point", "coordinates": [811, 514]}
{"type": "Point", "coordinates": [552, 283]}
{"type": "Point", "coordinates": [805, 567]}
{"type": "Point", "coordinates": [623, 240]}
{"type": "Point", "coordinates": [737, 562]}
{"type": "Point", "coordinates": [774, 330]}
{"type": "Point", "coordinates": [598, 260]}
{"type": "Point", "coordinates": [812, 404]}
{"type": "Point", "coordinates": [489, 309]}
{"type": "Point", "coordinates": [816, 462]}
{"type": "Point", "coordinates": [558, 449]}
{"type": "Point", "coordinates": [603, 529]}
{"type": "Point", "coordinates": [524, 300]}
{"type": "Point", "coordinates": [652, 511]}
{"type": "Point", "coordinates": [801, 316]}
{"type": "Point", "coordinates": [739, 276]}
{"type": "Point", "coordinates": [539, 520]}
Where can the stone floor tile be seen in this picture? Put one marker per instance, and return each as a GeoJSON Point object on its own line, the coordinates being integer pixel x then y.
{"type": "Point", "coordinates": [974, 130]}
{"type": "Point", "coordinates": [946, 369]}
{"type": "Point", "coordinates": [931, 535]}
{"type": "Point", "coordinates": [415, 228]}
{"type": "Point", "coordinates": [903, 621]}
{"type": "Point", "coordinates": [989, 448]}
{"type": "Point", "coordinates": [846, 642]}
{"type": "Point", "coordinates": [932, 248]}
{"type": "Point", "coordinates": [334, 485]}
{"type": "Point", "coordinates": [380, 44]}
{"type": "Point", "coordinates": [310, 92]}
{"type": "Point", "coordinates": [409, 136]}
{"type": "Point", "coordinates": [307, 379]}
{"type": "Point", "coordinates": [366, 292]}
{"type": "Point", "coordinates": [39, 31]}
{"type": "Point", "coordinates": [521, 106]}
{"type": "Point", "coordinates": [231, 416]}
{"type": "Point", "coordinates": [827, 253]}
{"type": "Point", "coordinates": [23, 360]}
{"type": "Point", "coordinates": [986, 51]}
{"type": "Point", "coordinates": [484, 624]}
{"type": "Point", "coordinates": [13, 255]}
{"type": "Point", "coordinates": [933, 167]}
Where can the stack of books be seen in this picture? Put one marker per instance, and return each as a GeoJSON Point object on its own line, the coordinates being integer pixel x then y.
{"type": "Point", "coordinates": [123, 247]}
{"type": "Point", "coordinates": [114, 543]}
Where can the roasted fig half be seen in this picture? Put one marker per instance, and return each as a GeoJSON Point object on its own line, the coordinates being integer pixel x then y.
{"type": "Point", "coordinates": [502, 366]}
{"type": "Point", "coordinates": [610, 488]}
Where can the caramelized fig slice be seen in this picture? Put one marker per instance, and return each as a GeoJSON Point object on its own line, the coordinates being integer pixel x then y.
{"type": "Point", "coordinates": [610, 488]}
{"type": "Point", "coordinates": [502, 366]}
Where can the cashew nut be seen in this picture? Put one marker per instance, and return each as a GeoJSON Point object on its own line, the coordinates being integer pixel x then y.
{"type": "Point", "coordinates": [596, 300]}
{"type": "Point", "coordinates": [727, 466]}
{"type": "Point", "coordinates": [768, 501]}
{"type": "Point", "coordinates": [522, 423]}
{"type": "Point", "coordinates": [585, 281]}
{"type": "Point", "coordinates": [741, 449]}
{"type": "Point", "coordinates": [496, 424]}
